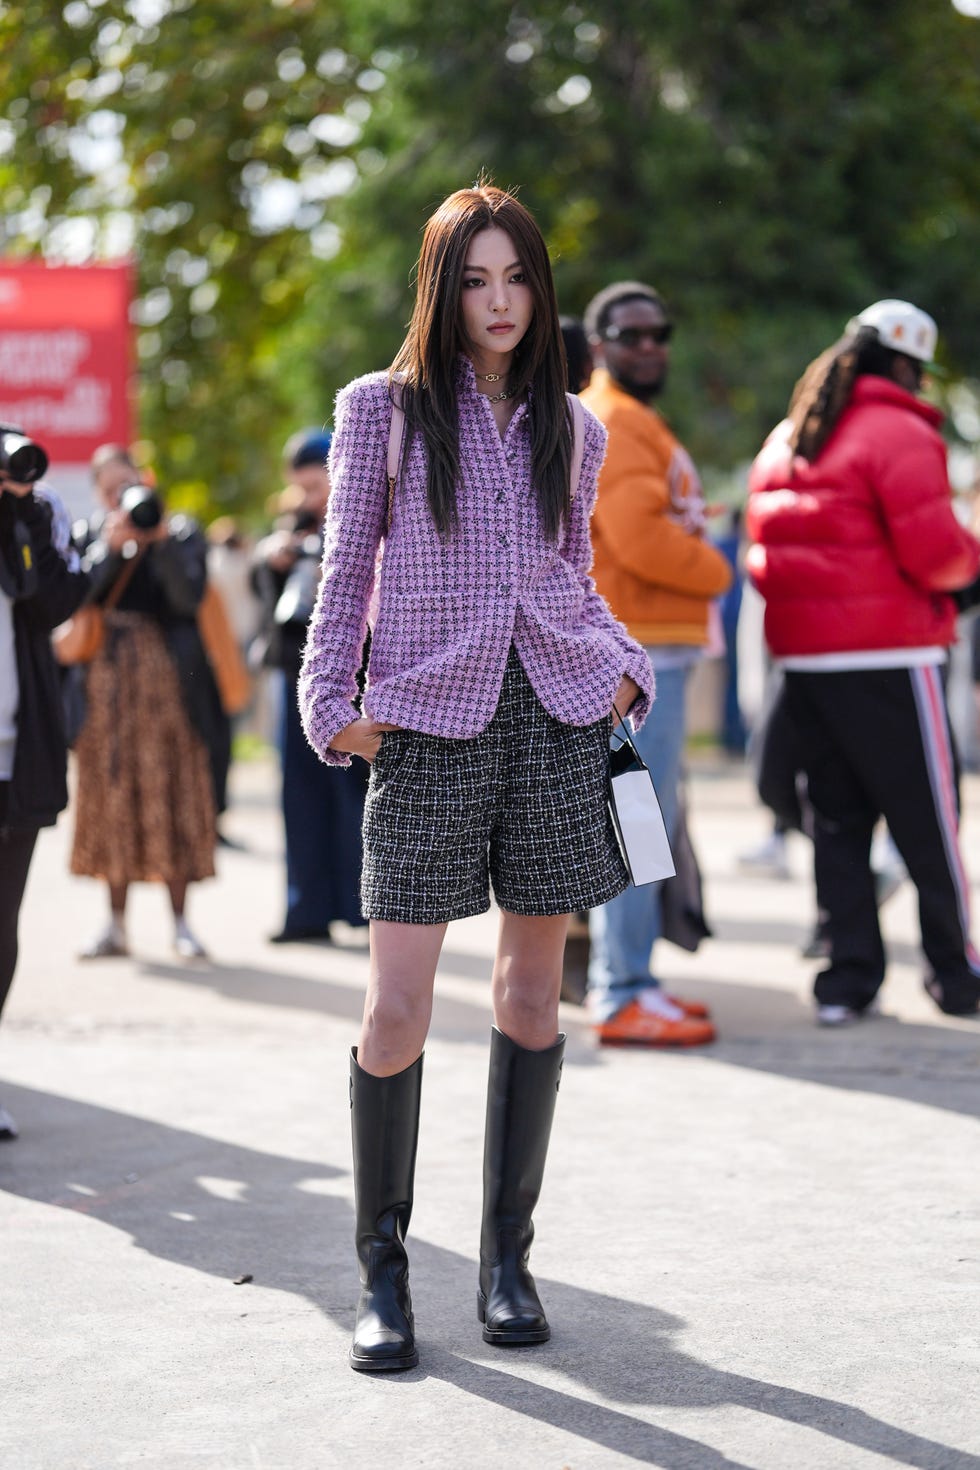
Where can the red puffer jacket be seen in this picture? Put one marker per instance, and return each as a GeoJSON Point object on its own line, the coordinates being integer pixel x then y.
{"type": "Point", "coordinates": [858, 550]}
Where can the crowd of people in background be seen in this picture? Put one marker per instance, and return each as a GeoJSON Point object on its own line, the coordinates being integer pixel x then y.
{"type": "Point", "coordinates": [322, 809]}
{"type": "Point", "coordinates": [853, 543]}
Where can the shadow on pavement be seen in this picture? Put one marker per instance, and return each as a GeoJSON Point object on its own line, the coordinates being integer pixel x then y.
{"type": "Point", "coordinates": [938, 1066]}
{"type": "Point", "coordinates": [935, 1065]}
{"type": "Point", "coordinates": [452, 1020]}
{"type": "Point", "coordinates": [226, 1210]}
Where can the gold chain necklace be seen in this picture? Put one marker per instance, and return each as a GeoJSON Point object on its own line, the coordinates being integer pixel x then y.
{"type": "Point", "coordinates": [499, 397]}
{"type": "Point", "coordinates": [490, 377]}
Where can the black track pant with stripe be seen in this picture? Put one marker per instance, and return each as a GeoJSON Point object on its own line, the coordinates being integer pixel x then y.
{"type": "Point", "coordinates": [876, 742]}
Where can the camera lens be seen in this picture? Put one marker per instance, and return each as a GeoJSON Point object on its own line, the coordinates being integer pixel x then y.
{"type": "Point", "coordinates": [142, 506]}
{"type": "Point", "coordinates": [22, 459]}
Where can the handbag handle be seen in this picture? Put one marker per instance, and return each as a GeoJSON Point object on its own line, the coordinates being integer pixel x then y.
{"type": "Point", "coordinates": [624, 735]}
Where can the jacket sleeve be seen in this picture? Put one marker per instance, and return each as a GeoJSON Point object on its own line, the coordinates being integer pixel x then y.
{"type": "Point", "coordinates": [180, 566]}
{"type": "Point", "coordinates": [576, 550]}
{"type": "Point", "coordinates": [353, 530]}
{"type": "Point", "coordinates": [58, 590]}
{"type": "Point", "coordinates": [633, 515]}
{"type": "Point", "coordinates": [931, 547]}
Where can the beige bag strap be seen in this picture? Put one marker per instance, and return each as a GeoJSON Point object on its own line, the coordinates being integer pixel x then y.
{"type": "Point", "coordinates": [578, 441]}
{"type": "Point", "coordinates": [123, 580]}
{"type": "Point", "coordinates": [396, 437]}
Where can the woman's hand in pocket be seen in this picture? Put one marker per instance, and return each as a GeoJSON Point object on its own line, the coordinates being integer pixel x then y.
{"type": "Point", "coordinates": [626, 696]}
{"type": "Point", "coordinates": [361, 737]}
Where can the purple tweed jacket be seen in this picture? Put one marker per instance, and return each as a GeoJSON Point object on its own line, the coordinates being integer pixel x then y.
{"type": "Point", "coordinates": [449, 612]}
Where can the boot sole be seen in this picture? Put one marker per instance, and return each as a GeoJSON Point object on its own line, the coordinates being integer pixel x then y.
{"type": "Point", "coordinates": [501, 1337]}
{"type": "Point", "coordinates": [497, 1337]}
{"type": "Point", "coordinates": [383, 1365]}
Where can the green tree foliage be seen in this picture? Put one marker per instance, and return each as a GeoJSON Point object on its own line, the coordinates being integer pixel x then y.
{"type": "Point", "coordinates": [213, 133]}
{"type": "Point", "coordinates": [770, 168]}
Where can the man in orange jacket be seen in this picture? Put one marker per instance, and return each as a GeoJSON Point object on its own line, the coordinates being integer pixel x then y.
{"type": "Point", "coordinates": [659, 575]}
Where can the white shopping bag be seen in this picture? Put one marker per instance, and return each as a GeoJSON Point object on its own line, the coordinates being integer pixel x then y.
{"type": "Point", "coordinates": [636, 815]}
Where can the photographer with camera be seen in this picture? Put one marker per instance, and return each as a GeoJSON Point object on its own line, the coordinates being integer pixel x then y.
{"type": "Point", "coordinates": [41, 584]}
{"type": "Point", "coordinates": [145, 807]}
{"type": "Point", "coordinates": [321, 813]}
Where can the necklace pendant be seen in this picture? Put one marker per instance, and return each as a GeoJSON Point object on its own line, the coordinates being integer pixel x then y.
{"type": "Point", "coordinates": [490, 377]}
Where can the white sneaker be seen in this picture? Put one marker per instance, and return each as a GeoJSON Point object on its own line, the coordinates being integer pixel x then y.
{"type": "Point", "coordinates": [846, 1015]}
{"type": "Point", "coordinates": [837, 1015]}
{"type": "Point", "coordinates": [109, 943]}
{"type": "Point", "coordinates": [769, 857]}
{"type": "Point", "coordinates": [8, 1128]}
{"type": "Point", "coordinates": [658, 1004]}
{"type": "Point", "coordinates": [187, 946]}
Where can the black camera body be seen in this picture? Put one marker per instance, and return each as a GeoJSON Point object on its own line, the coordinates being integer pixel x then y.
{"type": "Point", "coordinates": [143, 506]}
{"type": "Point", "coordinates": [20, 458]}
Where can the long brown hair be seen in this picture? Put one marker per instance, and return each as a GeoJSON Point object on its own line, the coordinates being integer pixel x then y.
{"type": "Point", "coordinates": [427, 362]}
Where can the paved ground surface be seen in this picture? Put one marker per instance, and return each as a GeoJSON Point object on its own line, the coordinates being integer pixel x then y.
{"type": "Point", "coordinates": [764, 1254]}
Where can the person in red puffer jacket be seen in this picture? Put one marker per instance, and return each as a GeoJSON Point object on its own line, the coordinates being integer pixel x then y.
{"type": "Point", "coordinates": [856, 550]}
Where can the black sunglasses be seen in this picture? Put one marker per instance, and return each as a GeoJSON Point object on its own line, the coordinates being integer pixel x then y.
{"type": "Point", "coordinates": [633, 336]}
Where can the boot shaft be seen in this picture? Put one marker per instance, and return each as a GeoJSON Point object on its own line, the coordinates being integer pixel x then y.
{"type": "Point", "coordinates": [521, 1096]}
{"type": "Point", "coordinates": [384, 1134]}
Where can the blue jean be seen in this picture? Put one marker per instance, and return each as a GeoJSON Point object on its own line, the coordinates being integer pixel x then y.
{"type": "Point", "coordinates": [623, 931]}
{"type": "Point", "coordinates": [322, 807]}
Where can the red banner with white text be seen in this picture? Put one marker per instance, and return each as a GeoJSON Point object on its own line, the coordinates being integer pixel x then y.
{"type": "Point", "coordinates": [65, 355]}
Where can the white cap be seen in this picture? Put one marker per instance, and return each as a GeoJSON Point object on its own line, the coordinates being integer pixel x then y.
{"type": "Point", "coordinates": [900, 326]}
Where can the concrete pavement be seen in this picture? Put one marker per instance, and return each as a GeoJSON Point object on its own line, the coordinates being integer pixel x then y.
{"type": "Point", "coordinates": [761, 1254]}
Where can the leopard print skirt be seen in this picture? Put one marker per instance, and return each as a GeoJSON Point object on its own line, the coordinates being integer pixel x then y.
{"type": "Point", "coordinates": [144, 809]}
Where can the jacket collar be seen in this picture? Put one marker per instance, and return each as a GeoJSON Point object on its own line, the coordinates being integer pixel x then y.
{"type": "Point", "coordinates": [871, 389]}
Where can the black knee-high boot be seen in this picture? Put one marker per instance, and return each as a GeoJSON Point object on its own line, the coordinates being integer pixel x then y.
{"type": "Point", "coordinates": [521, 1098]}
{"type": "Point", "coordinates": [385, 1130]}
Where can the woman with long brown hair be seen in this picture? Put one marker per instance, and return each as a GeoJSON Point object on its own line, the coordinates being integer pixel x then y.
{"type": "Point", "coordinates": [494, 669]}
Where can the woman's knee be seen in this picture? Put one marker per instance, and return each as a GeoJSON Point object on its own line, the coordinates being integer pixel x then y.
{"type": "Point", "coordinates": [527, 1009]}
{"type": "Point", "coordinates": [395, 1011]}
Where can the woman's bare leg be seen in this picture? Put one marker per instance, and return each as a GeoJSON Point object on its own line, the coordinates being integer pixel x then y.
{"type": "Point", "coordinates": [527, 978]}
{"type": "Point", "coordinates": [398, 1004]}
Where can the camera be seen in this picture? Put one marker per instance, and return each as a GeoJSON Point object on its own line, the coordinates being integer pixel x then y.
{"type": "Point", "coordinates": [143, 506]}
{"type": "Point", "coordinates": [298, 596]}
{"type": "Point", "coordinates": [20, 458]}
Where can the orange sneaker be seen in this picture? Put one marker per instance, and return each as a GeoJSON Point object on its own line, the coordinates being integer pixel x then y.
{"type": "Point", "coordinates": [633, 1026]}
{"type": "Point", "coordinates": [695, 1009]}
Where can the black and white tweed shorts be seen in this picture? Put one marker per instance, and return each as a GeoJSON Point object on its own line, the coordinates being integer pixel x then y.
{"type": "Point", "coordinates": [521, 806]}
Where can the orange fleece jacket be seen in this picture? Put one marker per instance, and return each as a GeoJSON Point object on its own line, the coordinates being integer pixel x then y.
{"type": "Point", "coordinates": [652, 563]}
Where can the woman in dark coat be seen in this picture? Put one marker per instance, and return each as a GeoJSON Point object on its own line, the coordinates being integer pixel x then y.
{"type": "Point", "coordinates": [41, 584]}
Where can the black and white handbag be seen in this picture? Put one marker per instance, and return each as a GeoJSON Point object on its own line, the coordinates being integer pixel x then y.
{"type": "Point", "coordinates": [636, 814]}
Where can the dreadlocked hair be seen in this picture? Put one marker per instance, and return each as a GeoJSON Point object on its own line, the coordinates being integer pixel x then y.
{"type": "Point", "coordinates": [825, 388]}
